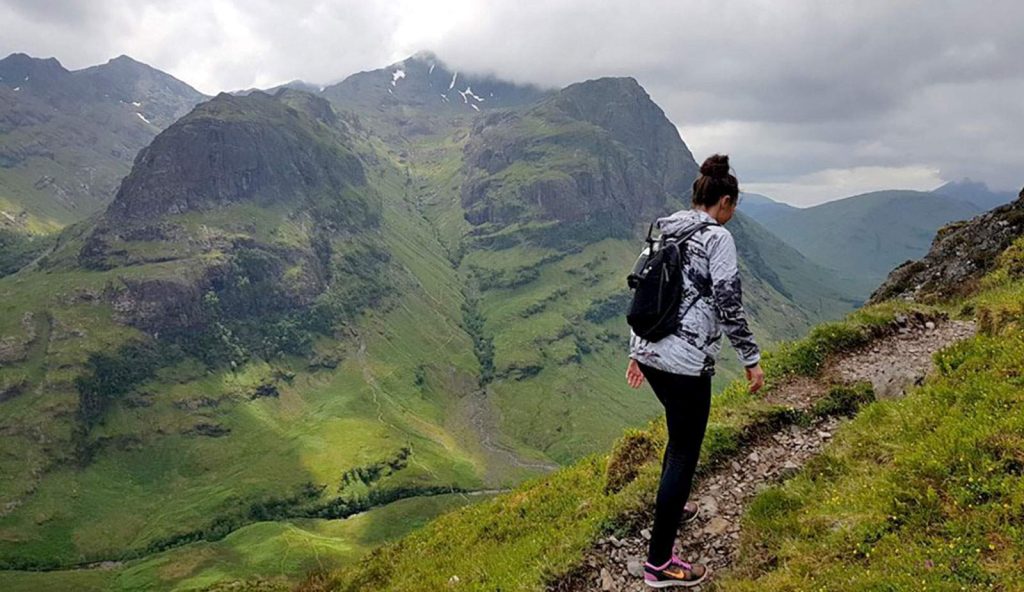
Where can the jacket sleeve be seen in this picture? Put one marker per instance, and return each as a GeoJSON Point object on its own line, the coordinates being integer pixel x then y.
{"type": "Point", "coordinates": [728, 297]}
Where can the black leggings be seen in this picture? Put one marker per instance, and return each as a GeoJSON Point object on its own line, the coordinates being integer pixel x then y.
{"type": "Point", "coordinates": [687, 401]}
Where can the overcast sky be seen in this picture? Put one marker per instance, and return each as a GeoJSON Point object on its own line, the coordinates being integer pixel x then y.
{"type": "Point", "coordinates": [813, 100]}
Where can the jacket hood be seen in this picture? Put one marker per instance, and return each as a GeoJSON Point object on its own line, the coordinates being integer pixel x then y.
{"type": "Point", "coordinates": [679, 222]}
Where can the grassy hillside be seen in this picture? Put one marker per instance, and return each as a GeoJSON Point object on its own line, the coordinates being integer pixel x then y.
{"type": "Point", "coordinates": [915, 493]}
{"type": "Point", "coordinates": [922, 493]}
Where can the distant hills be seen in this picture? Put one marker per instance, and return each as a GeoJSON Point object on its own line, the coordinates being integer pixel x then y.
{"type": "Point", "coordinates": [68, 137]}
{"type": "Point", "coordinates": [977, 193]}
{"type": "Point", "coordinates": [863, 237]}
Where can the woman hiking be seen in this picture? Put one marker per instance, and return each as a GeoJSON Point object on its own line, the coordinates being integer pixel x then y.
{"type": "Point", "coordinates": [679, 366]}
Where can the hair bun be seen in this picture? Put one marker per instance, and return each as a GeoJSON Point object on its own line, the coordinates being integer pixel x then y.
{"type": "Point", "coordinates": [716, 165]}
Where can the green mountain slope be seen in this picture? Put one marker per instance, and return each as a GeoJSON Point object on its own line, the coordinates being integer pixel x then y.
{"type": "Point", "coordinates": [67, 137]}
{"type": "Point", "coordinates": [293, 312]}
{"type": "Point", "coordinates": [257, 384]}
{"type": "Point", "coordinates": [864, 236]}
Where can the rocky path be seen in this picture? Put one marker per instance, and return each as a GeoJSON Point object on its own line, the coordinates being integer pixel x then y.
{"type": "Point", "coordinates": [891, 364]}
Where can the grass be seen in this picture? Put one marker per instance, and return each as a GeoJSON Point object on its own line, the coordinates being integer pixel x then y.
{"type": "Point", "coordinates": [919, 493]}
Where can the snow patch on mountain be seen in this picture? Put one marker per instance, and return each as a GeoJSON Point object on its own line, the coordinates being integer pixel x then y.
{"type": "Point", "coordinates": [469, 93]}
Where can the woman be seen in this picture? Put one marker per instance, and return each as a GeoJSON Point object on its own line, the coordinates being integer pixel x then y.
{"type": "Point", "coordinates": [679, 366]}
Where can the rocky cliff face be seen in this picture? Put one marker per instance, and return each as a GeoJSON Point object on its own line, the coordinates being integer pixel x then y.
{"type": "Point", "coordinates": [960, 254]}
{"type": "Point", "coordinates": [232, 149]}
{"type": "Point", "coordinates": [623, 108]}
{"type": "Point", "coordinates": [596, 151]}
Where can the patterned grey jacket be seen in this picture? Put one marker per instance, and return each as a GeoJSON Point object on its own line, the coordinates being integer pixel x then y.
{"type": "Point", "coordinates": [712, 301]}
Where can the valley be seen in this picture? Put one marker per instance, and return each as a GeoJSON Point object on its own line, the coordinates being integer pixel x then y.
{"type": "Point", "coordinates": [294, 314]}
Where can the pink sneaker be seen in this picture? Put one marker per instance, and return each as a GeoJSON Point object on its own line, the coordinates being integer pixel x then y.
{"type": "Point", "coordinates": [675, 572]}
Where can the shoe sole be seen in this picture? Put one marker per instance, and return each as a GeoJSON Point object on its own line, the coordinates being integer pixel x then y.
{"type": "Point", "coordinates": [671, 583]}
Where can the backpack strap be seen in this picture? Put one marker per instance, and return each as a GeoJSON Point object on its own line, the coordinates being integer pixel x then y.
{"type": "Point", "coordinates": [684, 238]}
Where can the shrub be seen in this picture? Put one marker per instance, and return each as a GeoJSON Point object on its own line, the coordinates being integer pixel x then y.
{"type": "Point", "coordinates": [109, 376]}
{"type": "Point", "coordinates": [635, 449]}
{"type": "Point", "coordinates": [844, 399]}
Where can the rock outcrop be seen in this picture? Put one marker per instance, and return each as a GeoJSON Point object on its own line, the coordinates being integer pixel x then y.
{"type": "Point", "coordinates": [960, 254]}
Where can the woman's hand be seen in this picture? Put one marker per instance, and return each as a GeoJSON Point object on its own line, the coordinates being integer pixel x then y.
{"type": "Point", "coordinates": [755, 376]}
{"type": "Point", "coordinates": [634, 377]}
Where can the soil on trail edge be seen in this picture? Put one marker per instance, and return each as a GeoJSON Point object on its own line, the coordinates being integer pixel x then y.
{"type": "Point", "coordinates": [892, 364]}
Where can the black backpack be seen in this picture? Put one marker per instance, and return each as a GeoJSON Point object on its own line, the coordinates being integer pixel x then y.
{"type": "Point", "coordinates": [658, 288]}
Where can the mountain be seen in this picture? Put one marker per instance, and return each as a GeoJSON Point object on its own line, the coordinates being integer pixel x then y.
{"type": "Point", "coordinates": [297, 310]}
{"type": "Point", "coordinates": [422, 81]}
{"type": "Point", "coordinates": [762, 207]}
{"type": "Point", "coordinates": [67, 137]}
{"type": "Point", "coordinates": [977, 193]}
{"type": "Point", "coordinates": [247, 236]}
{"type": "Point", "coordinates": [596, 153]}
{"type": "Point", "coordinates": [862, 237]}
{"type": "Point", "coordinates": [293, 84]}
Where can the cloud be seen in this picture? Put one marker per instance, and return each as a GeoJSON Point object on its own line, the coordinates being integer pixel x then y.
{"type": "Point", "coordinates": [789, 88]}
